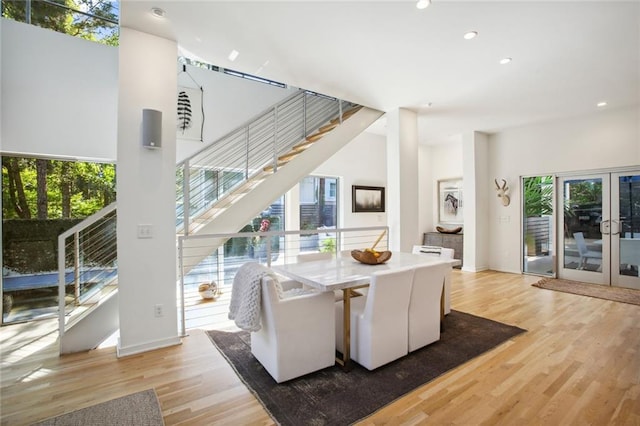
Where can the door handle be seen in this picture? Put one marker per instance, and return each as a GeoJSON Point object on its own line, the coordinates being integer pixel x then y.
{"type": "Point", "coordinates": [618, 227]}
{"type": "Point", "coordinates": [604, 227]}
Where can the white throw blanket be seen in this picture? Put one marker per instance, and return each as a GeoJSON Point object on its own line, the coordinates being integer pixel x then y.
{"type": "Point", "coordinates": [244, 308]}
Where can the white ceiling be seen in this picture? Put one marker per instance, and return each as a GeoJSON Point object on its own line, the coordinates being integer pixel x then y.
{"type": "Point", "coordinates": [567, 56]}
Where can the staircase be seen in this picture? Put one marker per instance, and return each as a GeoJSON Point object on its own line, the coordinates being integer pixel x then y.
{"type": "Point", "coordinates": [220, 189]}
{"type": "Point", "coordinates": [293, 145]}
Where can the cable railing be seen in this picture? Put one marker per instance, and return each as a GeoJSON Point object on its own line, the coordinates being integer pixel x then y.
{"type": "Point", "coordinates": [87, 265]}
{"type": "Point", "coordinates": [269, 248]}
{"type": "Point", "coordinates": [210, 175]}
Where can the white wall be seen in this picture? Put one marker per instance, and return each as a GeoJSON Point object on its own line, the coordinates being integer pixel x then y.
{"type": "Point", "coordinates": [361, 162]}
{"type": "Point", "coordinates": [228, 102]}
{"type": "Point", "coordinates": [475, 148]}
{"type": "Point", "coordinates": [69, 86]}
{"type": "Point", "coordinates": [402, 180]}
{"type": "Point", "coordinates": [606, 139]}
{"type": "Point", "coordinates": [437, 162]}
{"type": "Point", "coordinates": [146, 194]}
{"type": "Point", "coordinates": [62, 92]}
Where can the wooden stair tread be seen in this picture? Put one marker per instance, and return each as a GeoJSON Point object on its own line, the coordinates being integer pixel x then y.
{"type": "Point", "coordinates": [328, 127]}
{"type": "Point", "coordinates": [314, 137]}
{"type": "Point", "coordinates": [288, 156]}
{"type": "Point", "coordinates": [302, 146]}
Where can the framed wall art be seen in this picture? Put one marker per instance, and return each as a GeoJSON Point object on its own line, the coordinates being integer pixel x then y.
{"type": "Point", "coordinates": [190, 118]}
{"type": "Point", "coordinates": [367, 199]}
{"type": "Point", "coordinates": [450, 201]}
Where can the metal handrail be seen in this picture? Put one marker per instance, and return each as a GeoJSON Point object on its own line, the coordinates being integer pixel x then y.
{"type": "Point", "coordinates": [81, 247]}
{"type": "Point", "coordinates": [211, 174]}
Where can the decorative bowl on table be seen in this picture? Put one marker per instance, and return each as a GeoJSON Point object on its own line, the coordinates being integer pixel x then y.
{"type": "Point", "coordinates": [371, 257]}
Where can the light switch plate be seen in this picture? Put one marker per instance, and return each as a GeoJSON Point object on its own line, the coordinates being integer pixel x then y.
{"type": "Point", "coordinates": [145, 231]}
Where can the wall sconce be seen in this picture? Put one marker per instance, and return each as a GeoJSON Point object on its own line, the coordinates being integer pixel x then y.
{"type": "Point", "coordinates": [502, 192]}
{"type": "Point", "coordinates": [151, 128]}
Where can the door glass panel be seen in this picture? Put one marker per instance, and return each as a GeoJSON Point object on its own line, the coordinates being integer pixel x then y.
{"type": "Point", "coordinates": [537, 225]}
{"type": "Point", "coordinates": [582, 218]}
{"type": "Point", "coordinates": [629, 204]}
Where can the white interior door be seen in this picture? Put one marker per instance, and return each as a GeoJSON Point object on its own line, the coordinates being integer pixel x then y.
{"type": "Point", "coordinates": [599, 223]}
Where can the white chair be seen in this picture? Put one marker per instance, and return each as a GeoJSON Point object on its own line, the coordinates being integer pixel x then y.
{"type": "Point", "coordinates": [297, 334]}
{"type": "Point", "coordinates": [443, 253]}
{"type": "Point", "coordinates": [424, 305]}
{"type": "Point", "coordinates": [584, 252]}
{"type": "Point", "coordinates": [379, 320]}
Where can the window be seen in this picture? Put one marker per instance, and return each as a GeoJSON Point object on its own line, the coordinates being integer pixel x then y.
{"type": "Point", "coordinates": [42, 198]}
{"type": "Point", "coordinates": [95, 20]}
{"type": "Point", "coordinates": [318, 209]}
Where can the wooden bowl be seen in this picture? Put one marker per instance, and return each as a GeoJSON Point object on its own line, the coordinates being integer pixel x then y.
{"type": "Point", "coordinates": [448, 231]}
{"type": "Point", "coordinates": [369, 258]}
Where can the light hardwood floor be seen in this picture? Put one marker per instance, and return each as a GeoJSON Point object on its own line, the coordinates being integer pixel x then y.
{"type": "Point", "coordinates": [578, 363]}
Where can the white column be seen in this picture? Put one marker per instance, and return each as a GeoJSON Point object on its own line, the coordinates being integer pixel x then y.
{"type": "Point", "coordinates": [402, 180]}
{"type": "Point", "coordinates": [146, 195]}
{"type": "Point", "coordinates": [476, 196]}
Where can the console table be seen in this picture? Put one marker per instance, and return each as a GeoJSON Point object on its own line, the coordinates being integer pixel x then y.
{"type": "Point", "coordinates": [452, 241]}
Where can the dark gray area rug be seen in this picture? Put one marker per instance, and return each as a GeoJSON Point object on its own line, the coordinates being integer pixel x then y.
{"type": "Point", "coordinates": [137, 409]}
{"type": "Point", "coordinates": [334, 397]}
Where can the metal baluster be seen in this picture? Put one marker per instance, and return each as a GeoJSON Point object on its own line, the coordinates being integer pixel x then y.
{"type": "Point", "coordinates": [186, 177]}
{"type": "Point", "coordinates": [246, 172]}
{"type": "Point", "coordinates": [304, 115]}
{"type": "Point", "coordinates": [76, 266]}
{"type": "Point", "coordinates": [275, 139]}
{"type": "Point", "coordinates": [27, 12]}
{"type": "Point", "coordinates": [181, 266]}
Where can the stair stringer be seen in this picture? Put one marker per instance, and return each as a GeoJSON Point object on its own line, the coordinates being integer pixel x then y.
{"type": "Point", "coordinates": [244, 209]}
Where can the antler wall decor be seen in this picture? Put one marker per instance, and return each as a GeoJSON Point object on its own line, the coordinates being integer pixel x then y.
{"type": "Point", "coordinates": [502, 192]}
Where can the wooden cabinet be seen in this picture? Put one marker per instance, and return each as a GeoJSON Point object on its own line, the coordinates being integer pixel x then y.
{"type": "Point", "coordinates": [453, 241]}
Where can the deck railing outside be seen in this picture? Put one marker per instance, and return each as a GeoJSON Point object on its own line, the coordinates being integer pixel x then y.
{"type": "Point", "coordinates": [269, 248]}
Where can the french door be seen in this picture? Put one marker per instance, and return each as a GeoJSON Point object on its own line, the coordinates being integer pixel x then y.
{"type": "Point", "coordinates": [599, 228]}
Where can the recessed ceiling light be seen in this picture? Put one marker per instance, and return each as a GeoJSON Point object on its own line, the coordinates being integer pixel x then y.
{"type": "Point", "coordinates": [470, 34]}
{"type": "Point", "coordinates": [157, 12]}
{"type": "Point", "coordinates": [504, 61]}
{"type": "Point", "coordinates": [601, 104]}
{"type": "Point", "coordinates": [233, 55]}
{"type": "Point", "coordinates": [423, 4]}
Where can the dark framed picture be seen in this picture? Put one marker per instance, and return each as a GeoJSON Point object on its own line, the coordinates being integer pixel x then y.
{"type": "Point", "coordinates": [367, 199]}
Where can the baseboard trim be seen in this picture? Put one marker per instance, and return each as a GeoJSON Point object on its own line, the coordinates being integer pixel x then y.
{"type": "Point", "coordinates": [145, 347]}
{"type": "Point", "coordinates": [473, 269]}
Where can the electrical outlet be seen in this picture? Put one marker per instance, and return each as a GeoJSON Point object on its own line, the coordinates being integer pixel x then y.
{"type": "Point", "coordinates": [158, 310]}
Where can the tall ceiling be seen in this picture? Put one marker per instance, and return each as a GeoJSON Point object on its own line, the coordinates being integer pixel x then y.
{"type": "Point", "coordinates": [566, 56]}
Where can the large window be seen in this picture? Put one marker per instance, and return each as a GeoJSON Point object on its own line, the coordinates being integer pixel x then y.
{"type": "Point", "coordinates": [537, 225]}
{"type": "Point", "coordinates": [41, 198]}
{"type": "Point", "coordinates": [318, 209]}
{"type": "Point", "coordinates": [95, 20]}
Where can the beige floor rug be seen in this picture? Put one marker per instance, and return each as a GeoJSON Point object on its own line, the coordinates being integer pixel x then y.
{"type": "Point", "coordinates": [616, 294]}
{"type": "Point", "coordinates": [137, 409]}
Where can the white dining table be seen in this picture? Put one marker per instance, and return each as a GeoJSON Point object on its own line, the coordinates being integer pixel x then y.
{"type": "Point", "coordinates": [347, 274]}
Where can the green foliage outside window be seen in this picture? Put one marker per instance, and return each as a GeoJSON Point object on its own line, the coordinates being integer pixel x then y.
{"type": "Point", "coordinates": [95, 20]}
{"type": "Point", "coordinates": [50, 189]}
